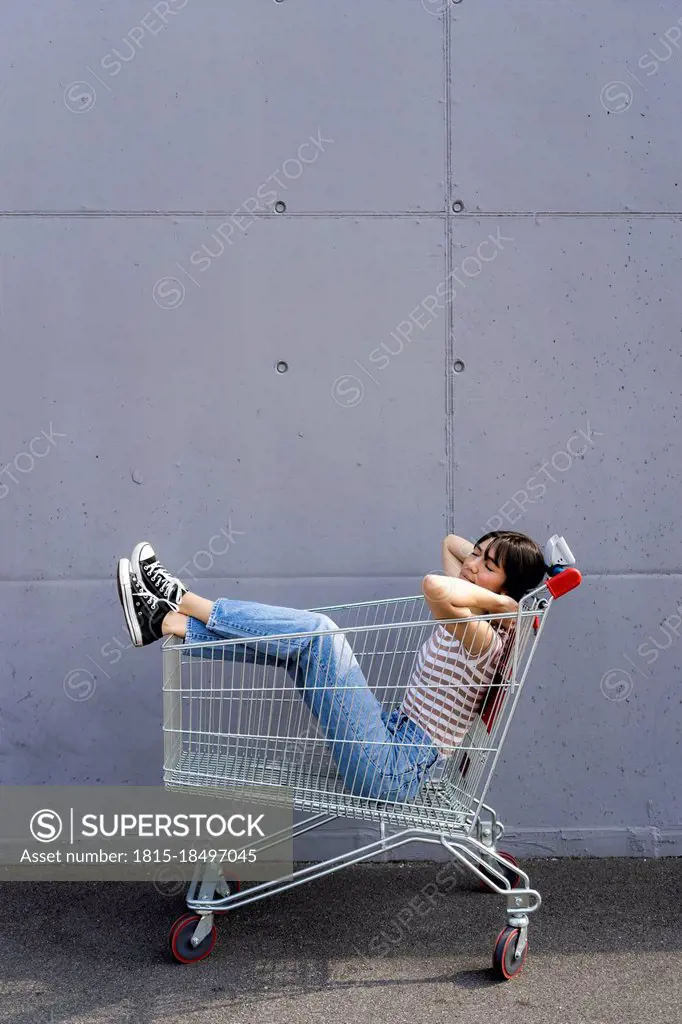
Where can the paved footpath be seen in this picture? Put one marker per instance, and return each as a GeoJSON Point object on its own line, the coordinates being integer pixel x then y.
{"type": "Point", "coordinates": [605, 948]}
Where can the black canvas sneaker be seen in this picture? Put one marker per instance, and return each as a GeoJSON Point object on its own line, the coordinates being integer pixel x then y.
{"type": "Point", "coordinates": [143, 612]}
{"type": "Point", "coordinates": [152, 575]}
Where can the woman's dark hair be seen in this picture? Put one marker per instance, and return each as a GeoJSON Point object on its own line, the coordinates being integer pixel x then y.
{"type": "Point", "coordinates": [520, 558]}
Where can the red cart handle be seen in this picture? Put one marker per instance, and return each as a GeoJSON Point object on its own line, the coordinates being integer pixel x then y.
{"type": "Point", "coordinates": [567, 579]}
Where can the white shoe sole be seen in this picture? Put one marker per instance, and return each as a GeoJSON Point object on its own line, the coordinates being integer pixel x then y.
{"type": "Point", "coordinates": [125, 593]}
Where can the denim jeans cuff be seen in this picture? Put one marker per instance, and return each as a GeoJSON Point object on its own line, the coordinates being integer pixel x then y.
{"type": "Point", "coordinates": [195, 630]}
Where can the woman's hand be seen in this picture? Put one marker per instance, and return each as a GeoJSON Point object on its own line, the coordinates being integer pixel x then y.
{"type": "Point", "coordinates": [455, 549]}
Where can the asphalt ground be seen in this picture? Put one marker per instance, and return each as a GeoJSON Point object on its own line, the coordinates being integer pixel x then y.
{"type": "Point", "coordinates": [605, 947]}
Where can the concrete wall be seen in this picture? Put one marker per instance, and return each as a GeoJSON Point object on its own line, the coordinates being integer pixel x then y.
{"type": "Point", "coordinates": [130, 135]}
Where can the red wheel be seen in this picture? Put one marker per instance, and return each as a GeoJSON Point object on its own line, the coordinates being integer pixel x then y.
{"type": "Point", "coordinates": [176, 922]}
{"type": "Point", "coordinates": [513, 876]}
{"type": "Point", "coordinates": [504, 964]}
{"type": "Point", "coordinates": [180, 940]}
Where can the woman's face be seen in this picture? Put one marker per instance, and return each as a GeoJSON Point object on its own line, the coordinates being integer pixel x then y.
{"type": "Point", "coordinates": [480, 568]}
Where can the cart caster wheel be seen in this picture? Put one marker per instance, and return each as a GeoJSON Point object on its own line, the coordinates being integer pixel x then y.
{"type": "Point", "coordinates": [504, 964]}
{"type": "Point", "coordinates": [513, 876]}
{"type": "Point", "coordinates": [180, 940]}
{"type": "Point", "coordinates": [233, 886]}
{"type": "Point", "coordinates": [184, 917]}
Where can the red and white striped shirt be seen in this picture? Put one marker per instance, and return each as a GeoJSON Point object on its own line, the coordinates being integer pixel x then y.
{"type": "Point", "coordinates": [448, 686]}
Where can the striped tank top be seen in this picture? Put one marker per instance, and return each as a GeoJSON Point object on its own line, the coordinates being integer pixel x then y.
{"type": "Point", "coordinates": [448, 686]}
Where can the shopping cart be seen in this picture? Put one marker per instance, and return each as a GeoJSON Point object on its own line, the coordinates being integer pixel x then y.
{"type": "Point", "coordinates": [232, 725]}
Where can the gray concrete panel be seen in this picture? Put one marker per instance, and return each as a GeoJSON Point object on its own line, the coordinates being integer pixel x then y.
{"type": "Point", "coordinates": [596, 738]}
{"type": "Point", "coordinates": [573, 327]}
{"type": "Point", "coordinates": [177, 421]}
{"type": "Point", "coordinates": [113, 106]}
{"type": "Point", "coordinates": [567, 106]}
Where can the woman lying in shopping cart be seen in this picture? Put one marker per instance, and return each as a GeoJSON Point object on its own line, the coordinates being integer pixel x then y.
{"type": "Point", "coordinates": [380, 754]}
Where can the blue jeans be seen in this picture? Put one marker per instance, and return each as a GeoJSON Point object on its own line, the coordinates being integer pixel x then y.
{"type": "Point", "coordinates": [379, 754]}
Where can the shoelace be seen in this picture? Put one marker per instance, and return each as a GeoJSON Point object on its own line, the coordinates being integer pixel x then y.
{"type": "Point", "coordinates": [161, 579]}
{"type": "Point", "coordinates": [143, 596]}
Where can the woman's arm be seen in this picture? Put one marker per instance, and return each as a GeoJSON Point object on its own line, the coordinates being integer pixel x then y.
{"type": "Point", "coordinates": [455, 550]}
{"type": "Point", "coordinates": [450, 598]}
{"type": "Point", "coordinates": [462, 594]}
